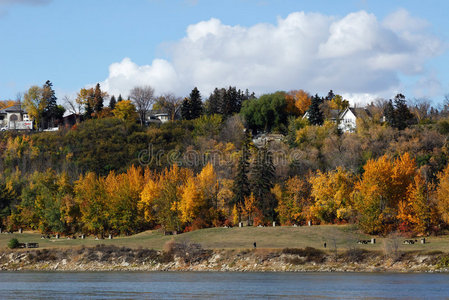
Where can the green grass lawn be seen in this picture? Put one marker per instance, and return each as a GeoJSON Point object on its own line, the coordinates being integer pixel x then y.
{"type": "Point", "coordinates": [343, 236]}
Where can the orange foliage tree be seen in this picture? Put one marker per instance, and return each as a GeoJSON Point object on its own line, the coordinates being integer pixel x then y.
{"type": "Point", "coordinates": [443, 195]}
{"type": "Point", "coordinates": [298, 102]}
{"type": "Point", "coordinates": [383, 186]}
{"type": "Point", "coordinates": [415, 211]}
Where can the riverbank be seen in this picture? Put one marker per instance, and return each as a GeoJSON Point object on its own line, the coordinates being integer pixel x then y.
{"type": "Point", "coordinates": [191, 257]}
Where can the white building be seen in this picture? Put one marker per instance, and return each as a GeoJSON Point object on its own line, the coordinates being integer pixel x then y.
{"type": "Point", "coordinates": [13, 117]}
{"type": "Point", "coordinates": [347, 118]}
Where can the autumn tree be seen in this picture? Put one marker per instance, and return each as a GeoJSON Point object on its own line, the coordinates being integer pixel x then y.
{"type": "Point", "coordinates": [35, 104]}
{"type": "Point", "coordinates": [443, 195]}
{"type": "Point", "coordinates": [332, 192]}
{"type": "Point", "coordinates": [143, 99]}
{"type": "Point", "coordinates": [298, 102]}
{"type": "Point", "coordinates": [90, 192]}
{"type": "Point", "coordinates": [414, 212]}
{"type": "Point", "coordinates": [161, 198]}
{"type": "Point", "coordinates": [125, 110]}
{"type": "Point", "coordinates": [199, 200]}
{"type": "Point", "coordinates": [123, 193]}
{"type": "Point", "coordinates": [293, 199]}
{"type": "Point", "coordinates": [383, 186]}
{"type": "Point", "coordinates": [85, 97]}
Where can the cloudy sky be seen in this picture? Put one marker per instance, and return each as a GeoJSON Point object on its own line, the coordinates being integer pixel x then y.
{"type": "Point", "coordinates": [362, 49]}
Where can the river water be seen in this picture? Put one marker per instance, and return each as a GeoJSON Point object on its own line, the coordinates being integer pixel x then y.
{"type": "Point", "coordinates": [215, 285]}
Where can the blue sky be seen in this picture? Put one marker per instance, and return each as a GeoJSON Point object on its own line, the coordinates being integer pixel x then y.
{"type": "Point", "coordinates": [360, 48]}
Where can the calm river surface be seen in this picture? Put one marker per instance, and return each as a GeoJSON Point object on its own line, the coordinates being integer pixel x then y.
{"type": "Point", "coordinates": [211, 285]}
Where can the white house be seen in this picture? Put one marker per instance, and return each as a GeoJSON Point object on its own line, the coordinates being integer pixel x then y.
{"type": "Point", "coordinates": [157, 116]}
{"type": "Point", "coordinates": [10, 117]}
{"type": "Point", "coordinates": [347, 118]}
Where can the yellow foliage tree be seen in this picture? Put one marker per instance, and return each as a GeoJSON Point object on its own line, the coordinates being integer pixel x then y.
{"type": "Point", "coordinates": [161, 196]}
{"type": "Point", "coordinates": [91, 198]}
{"type": "Point", "coordinates": [249, 208]}
{"type": "Point", "coordinates": [125, 110]}
{"type": "Point", "coordinates": [332, 192]}
{"type": "Point", "coordinates": [293, 201]}
{"type": "Point", "coordinates": [199, 197]}
{"type": "Point", "coordinates": [443, 195]}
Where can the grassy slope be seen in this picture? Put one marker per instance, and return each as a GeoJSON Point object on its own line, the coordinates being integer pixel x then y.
{"type": "Point", "coordinates": [344, 236]}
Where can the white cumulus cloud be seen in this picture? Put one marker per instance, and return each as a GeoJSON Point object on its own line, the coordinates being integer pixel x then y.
{"type": "Point", "coordinates": [353, 55]}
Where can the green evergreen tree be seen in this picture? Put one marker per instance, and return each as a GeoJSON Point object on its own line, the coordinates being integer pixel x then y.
{"type": "Point", "coordinates": [397, 114]}
{"type": "Point", "coordinates": [119, 98]}
{"type": "Point", "coordinates": [263, 175]}
{"type": "Point", "coordinates": [192, 107]}
{"type": "Point", "coordinates": [112, 102]}
{"type": "Point", "coordinates": [186, 109]}
{"type": "Point", "coordinates": [316, 116]}
{"type": "Point", "coordinates": [50, 113]}
{"type": "Point", "coordinates": [402, 115]}
{"type": "Point", "coordinates": [98, 99]}
{"type": "Point", "coordinates": [196, 105]}
{"type": "Point", "coordinates": [214, 104]}
{"type": "Point", "coordinates": [389, 113]}
{"type": "Point", "coordinates": [241, 187]}
{"type": "Point", "coordinates": [88, 108]}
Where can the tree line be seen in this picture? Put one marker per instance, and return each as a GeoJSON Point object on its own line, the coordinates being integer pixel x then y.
{"type": "Point", "coordinates": [388, 175]}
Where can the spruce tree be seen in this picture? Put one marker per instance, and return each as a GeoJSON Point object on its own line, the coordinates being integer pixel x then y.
{"type": "Point", "coordinates": [397, 113]}
{"type": "Point", "coordinates": [196, 105]}
{"type": "Point", "coordinates": [112, 102]}
{"type": "Point", "coordinates": [88, 110]}
{"type": "Point", "coordinates": [389, 114]}
{"type": "Point", "coordinates": [185, 109]}
{"type": "Point", "coordinates": [50, 113]}
{"type": "Point", "coordinates": [119, 98]}
{"type": "Point", "coordinates": [98, 99]}
{"type": "Point", "coordinates": [402, 115]}
{"type": "Point", "coordinates": [241, 187]}
{"type": "Point", "coordinates": [315, 114]}
{"type": "Point", "coordinates": [215, 102]}
{"type": "Point", "coordinates": [263, 175]}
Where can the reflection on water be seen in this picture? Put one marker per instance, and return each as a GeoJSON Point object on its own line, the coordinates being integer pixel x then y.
{"type": "Point", "coordinates": [212, 285]}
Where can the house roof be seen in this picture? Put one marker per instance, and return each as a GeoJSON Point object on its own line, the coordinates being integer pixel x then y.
{"type": "Point", "coordinates": [12, 109]}
{"type": "Point", "coordinates": [360, 112]}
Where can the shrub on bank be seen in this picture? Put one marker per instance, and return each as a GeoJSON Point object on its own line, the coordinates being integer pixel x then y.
{"type": "Point", "coordinates": [13, 243]}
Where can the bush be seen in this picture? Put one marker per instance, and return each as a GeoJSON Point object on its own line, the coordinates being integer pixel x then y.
{"type": "Point", "coordinates": [444, 262]}
{"type": "Point", "coordinates": [310, 254]}
{"type": "Point", "coordinates": [189, 252]}
{"type": "Point", "coordinates": [13, 243]}
{"type": "Point", "coordinates": [355, 255]}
